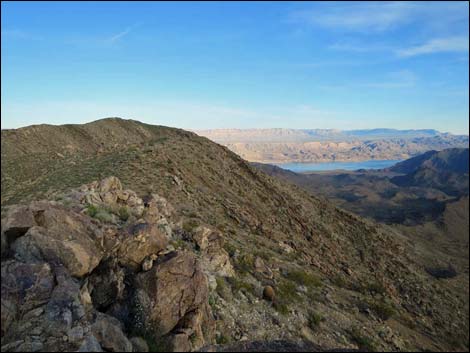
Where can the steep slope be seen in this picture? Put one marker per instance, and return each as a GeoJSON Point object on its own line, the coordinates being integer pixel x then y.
{"type": "Point", "coordinates": [339, 281]}
{"type": "Point", "coordinates": [446, 170]}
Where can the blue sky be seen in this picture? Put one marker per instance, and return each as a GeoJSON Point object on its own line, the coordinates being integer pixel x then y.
{"type": "Point", "coordinates": [205, 65]}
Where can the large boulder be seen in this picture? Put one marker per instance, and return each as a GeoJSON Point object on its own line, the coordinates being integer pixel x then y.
{"type": "Point", "coordinates": [139, 241]}
{"type": "Point", "coordinates": [44, 310]}
{"type": "Point", "coordinates": [215, 260]}
{"type": "Point", "coordinates": [170, 293]}
{"type": "Point", "coordinates": [156, 208]}
{"type": "Point", "coordinates": [60, 236]}
{"type": "Point", "coordinates": [16, 223]}
{"type": "Point", "coordinates": [24, 287]}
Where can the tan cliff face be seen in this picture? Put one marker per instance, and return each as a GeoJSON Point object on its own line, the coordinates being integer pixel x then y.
{"type": "Point", "coordinates": [339, 281]}
{"type": "Point", "coordinates": [290, 145]}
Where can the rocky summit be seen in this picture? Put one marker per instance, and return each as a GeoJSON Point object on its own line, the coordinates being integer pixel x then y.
{"type": "Point", "coordinates": [122, 236]}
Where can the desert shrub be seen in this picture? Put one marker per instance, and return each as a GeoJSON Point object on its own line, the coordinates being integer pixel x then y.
{"type": "Point", "coordinates": [244, 264]}
{"type": "Point", "coordinates": [304, 278]}
{"type": "Point", "coordinates": [281, 307]}
{"type": "Point", "coordinates": [314, 319]}
{"type": "Point", "coordinates": [222, 339]}
{"type": "Point", "coordinates": [230, 249]}
{"type": "Point", "coordinates": [339, 281]}
{"type": "Point", "coordinates": [123, 213]}
{"type": "Point", "coordinates": [383, 309]}
{"type": "Point", "coordinates": [104, 215]}
{"type": "Point", "coordinates": [287, 291]}
{"type": "Point", "coordinates": [365, 343]}
{"type": "Point", "coordinates": [91, 210]}
{"type": "Point", "coordinates": [239, 285]}
{"type": "Point", "coordinates": [189, 225]}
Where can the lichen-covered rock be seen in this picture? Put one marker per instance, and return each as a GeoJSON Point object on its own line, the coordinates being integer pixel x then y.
{"type": "Point", "coordinates": [110, 184]}
{"type": "Point", "coordinates": [139, 241]}
{"type": "Point", "coordinates": [24, 287]}
{"type": "Point", "coordinates": [53, 233]}
{"type": "Point", "coordinates": [15, 224]}
{"type": "Point", "coordinates": [174, 288]}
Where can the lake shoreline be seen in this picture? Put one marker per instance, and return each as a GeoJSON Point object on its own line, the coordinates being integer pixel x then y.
{"type": "Point", "coordinates": [339, 166]}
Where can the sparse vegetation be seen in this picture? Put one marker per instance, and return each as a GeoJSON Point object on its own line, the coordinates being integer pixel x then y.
{"type": "Point", "coordinates": [304, 278]}
{"type": "Point", "coordinates": [123, 213]}
{"type": "Point", "coordinates": [314, 320]}
{"type": "Point", "coordinates": [383, 309]}
{"type": "Point", "coordinates": [364, 343]}
{"type": "Point", "coordinates": [244, 263]}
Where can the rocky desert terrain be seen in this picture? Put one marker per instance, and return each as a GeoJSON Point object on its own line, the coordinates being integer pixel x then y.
{"type": "Point", "coordinates": [123, 236]}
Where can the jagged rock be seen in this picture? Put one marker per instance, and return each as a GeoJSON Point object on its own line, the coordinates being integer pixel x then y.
{"type": "Point", "coordinates": [24, 287]}
{"type": "Point", "coordinates": [171, 290]}
{"type": "Point", "coordinates": [110, 184]}
{"type": "Point", "coordinates": [79, 255]}
{"type": "Point", "coordinates": [139, 344]}
{"type": "Point", "coordinates": [156, 208]}
{"type": "Point", "coordinates": [201, 237]}
{"type": "Point", "coordinates": [215, 260]}
{"type": "Point", "coordinates": [148, 262]}
{"type": "Point", "coordinates": [15, 224]}
{"type": "Point", "coordinates": [262, 269]}
{"type": "Point", "coordinates": [180, 343]}
{"type": "Point", "coordinates": [59, 235]}
{"type": "Point", "coordinates": [107, 284]}
{"type": "Point", "coordinates": [108, 332]}
{"type": "Point", "coordinates": [141, 240]}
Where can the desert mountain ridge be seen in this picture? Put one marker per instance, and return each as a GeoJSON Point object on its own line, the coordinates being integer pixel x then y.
{"type": "Point", "coordinates": [99, 218]}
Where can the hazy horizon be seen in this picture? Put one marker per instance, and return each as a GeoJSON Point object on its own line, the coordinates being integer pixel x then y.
{"type": "Point", "coordinates": [198, 66]}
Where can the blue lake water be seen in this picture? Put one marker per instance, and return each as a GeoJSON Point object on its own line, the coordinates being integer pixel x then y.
{"type": "Point", "coordinates": [315, 167]}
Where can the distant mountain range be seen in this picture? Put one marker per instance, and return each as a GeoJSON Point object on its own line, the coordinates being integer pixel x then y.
{"type": "Point", "coordinates": [326, 145]}
{"type": "Point", "coordinates": [311, 135]}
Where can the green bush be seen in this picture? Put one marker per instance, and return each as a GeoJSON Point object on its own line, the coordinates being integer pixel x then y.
{"type": "Point", "coordinates": [314, 319]}
{"type": "Point", "coordinates": [244, 264]}
{"type": "Point", "coordinates": [189, 225]}
{"type": "Point", "coordinates": [222, 339]}
{"type": "Point", "coordinates": [304, 278]}
{"type": "Point", "coordinates": [365, 343]}
{"type": "Point", "coordinates": [239, 285]}
{"type": "Point", "coordinates": [103, 215]}
{"type": "Point", "coordinates": [281, 307]}
{"type": "Point", "coordinates": [231, 249]}
{"type": "Point", "coordinates": [91, 210]}
{"type": "Point", "coordinates": [123, 213]}
{"type": "Point", "coordinates": [383, 309]}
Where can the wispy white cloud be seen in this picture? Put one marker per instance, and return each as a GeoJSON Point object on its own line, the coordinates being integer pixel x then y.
{"type": "Point", "coordinates": [378, 16]}
{"type": "Point", "coordinates": [359, 47]}
{"type": "Point", "coordinates": [116, 37]}
{"type": "Point", "coordinates": [356, 16]}
{"type": "Point", "coordinates": [438, 45]}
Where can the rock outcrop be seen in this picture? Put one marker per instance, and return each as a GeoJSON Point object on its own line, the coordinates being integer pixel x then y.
{"type": "Point", "coordinates": [71, 282]}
